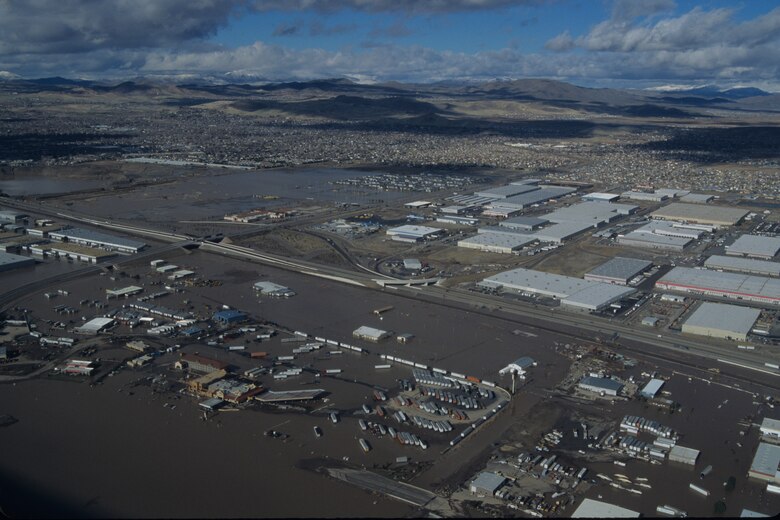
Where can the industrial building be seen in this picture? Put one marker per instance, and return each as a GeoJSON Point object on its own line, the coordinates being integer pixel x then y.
{"type": "Point", "coordinates": [601, 197]}
{"type": "Point", "coordinates": [411, 233]}
{"type": "Point", "coordinates": [496, 242]}
{"type": "Point", "coordinates": [755, 246]}
{"type": "Point", "coordinates": [78, 252]}
{"type": "Point", "coordinates": [719, 216]}
{"type": "Point", "coordinates": [590, 508]}
{"type": "Point", "coordinates": [770, 429]}
{"type": "Point", "coordinates": [487, 483]}
{"type": "Point", "coordinates": [87, 237]}
{"type": "Point", "coordinates": [720, 320]}
{"type": "Point", "coordinates": [696, 198]}
{"type": "Point", "coordinates": [559, 233]}
{"type": "Point", "coordinates": [618, 270]}
{"type": "Point", "coordinates": [593, 213]}
{"type": "Point", "coordinates": [273, 289]}
{"type": "Point", "coordinates": [523, 223]}
{"type": "Point", "coordinates": [9, 261]}
{"type": "Point", "coordinates": [94, 326]}
{"type": "Point", "coordinates": [758, 289]}
{"type": "Point", "coordinates": [229, 317]}
{"type": "Point", "coordinates": [743, 265]}
{"type": "Point", "coordinates": [524, 200]}
{"type": "Point", "coordinates": [572, 292]}
{"type": "Point", "coordinates": [370, 333]}
{"type": "Point", "coordinates": [652, 388]}
{"type": "Point", "coordinates": [199, 363]}
{"type": "Point", "coordinates": [459, 221]}
{"type": "Point", "coordinates": [766, 463]}
{"type": "Point", "coordinates": [645, 237]}
{"type": "Point", "coordinates": [683, 455]}
{"type": "Point", "coordinates": [503, 192]}
{"type": "Point", "coordinates": [123, 292]}
{"type": "Point", "coordinates": [644, 196]}
{"type": "Point", "coordinates": [412, 264]}
{"type": "Point", "coordinates": [600, 385]}
{"type": "Point", "coordinates": [13, 217]}
{"type": "Point", "coordinates": [518, 367]}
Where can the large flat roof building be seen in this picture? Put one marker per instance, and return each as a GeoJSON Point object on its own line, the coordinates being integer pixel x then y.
{"type": "Point", "coordinates": [660, 235]}
{"type": "Point", "coordinates": [593, 213]}
{"type": "Point", "coordinates": [743, 265]}
{"type": "Point", "coordinates": [755, 246]}
{"type": "Point", "coordinates": [562, 231]}
{"type": "Point", "coordinates": [496, 242]}
{"type": "Point", "coordinates": [414, 232]}
{"type": "Point", "coordinates": [600, 384]}
{"type": "Point", "coordinates": [524, 200]}
{"type": "Point", "coordinates": [9, 261]}
{"type": "Point", "coordinates": [590, 508]}
{"type": "Point", "coordinates": [618, 270]}
{"type": "Point", "coordinates": [720, 216]}
{"type": "Point", "coordinates": [770, 429]}
{"type": "Point", "coordinates": [758, 289]}
{"type": "Point", "coordinates": [503, 192]}
{"type": "Point", "coordinates": [487, 483]}
{"type": "Point", "coordinates": [572, 292]}
{"type": "Point", "coordinates": [601, 197]}
{"type": "Point", "coordinates": [766, 463]}
{"type": "Point", "coordinates": [523, 223]}
{"type": "Point", "coordinates": [720, 320]}
{"type": "Point", "coordinates": [273, 289]}
{"type": "Point", "coordinates": [370, 333]}
{"type": "Point", "coordinates": [88, 237]}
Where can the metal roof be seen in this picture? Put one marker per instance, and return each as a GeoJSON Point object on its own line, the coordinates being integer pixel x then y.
{"type": "Point", "coordinates": [601, 382]}
{"type": "Point", "coordinates": [722, 316]}
{"type": "Point", "coordinates": [590, 508]}
{"type": "Point", "coordinates": [719, 215]}
{"type": "Point", "coordinates": [682, 452]}
{"type": "Point", "coordinates": [769, 424]}
{"type": "Point", "coordinates": [766, 460]}
{"type": "Point", "coordinates": [488, 481]}
{"type": "Point", "coordinates": [619, 268]}
{"type": "Point", "coordinates": [590, 212]}
{"type": "Point", "coordinates": [755, 245]}
{"type": "Point", "coordinates": [95, 324]}
{"type": "Point", "coordinates": [523, 222]}
{"type": "Point", "coordinates": [688, 278]}
{"type": "Point", "coordinates": [747, 265]}
{"type": "Point", "coordinates": [503, 192]}
{"type": "Point", "coordinates": [8, 260]}
{"type": "Point", "coordinates": [601, 196]}
{"type": "Point", "coordinates": [370, 332]}
{"type": "Point", "coordinates": [653, 387]}
{"type": "Point", "coordinates": [559, 232]}
{"type": "Point", "coordinates": [97, 237]}
{"type": "Point", "coordinates": [697, 198]}
{"type": "Point", "coordinates": [526, 199]}
{"type": "Point", "coordinates": [413, 231]}
{"type": "Point", "coordinates": [502, 240]}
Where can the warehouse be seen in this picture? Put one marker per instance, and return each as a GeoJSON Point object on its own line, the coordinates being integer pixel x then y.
{"type": "Point", "coordinates": [199, 363]}
{"type": "Point", "coordinates": [499, 230]}
{"type": "Point", "coordinates": [487, 483]}
{"type": "Point", "coordinates": [273, 289]}
{"type": "Point", "coordinates": [572, 292]}
{"type": "Point", "coordinates": [770, 429]}
{"type": "Point", "coordinates": [496, 242]}
{"type": "Point", "coordinates": [719, 216]}
{"type": "Point", "coordinates": [460, 221]}
{"type": "Point", "coordinates": [455, 209]}
{"type": "Point", "coordinates": [720, 320]}
{"type": "Point", "coordinates": [124, 292]}
{"type": "Point", "coordinates": [12, 217]}
{"type": "Point", "coordinates": [647, 237]}
{"type": "Point", "coordinates": [370, 333]}
{"type": "Point", "coordinates": [229, 317]}
{"type": "Point", "coordinates": [600, 385]}
{"type": "Point", "coordinates": [618, 270]}
{"type": "Point", "coordinates": [559, 233]}
{"type": "Point", "coordinates": [9, 261]}
{"type": "Point", "coordinates": [503, 192]}
{"type": "Point", "coordinates": [643, 195]}
{"type": "Point", "coordinates": [524, 200]}
{"type": "Point", "coordinates": [696, 198]}
{"type": "Point", "coordinates": [593, 213]}
{"type": "Point", "coordinates": [412, 264]}
{"type": "Point", "coordinates": [411, 233]}
{"type": "Point", "coordinates": [755, 246]}
{"type": "Point", "coordinates": [601, 197]}
{"type": "Point", "coordinates": [766, 463]}
{"type": "Point", "coordinates": [94, 326]}
{"type": "Point", "coordinates": [736, 286]}
{"type": "Point", "coordinates": [684, 455]}
{"type": "Point", "coordinates": [590, 508]}
{"type": "Point", "coordinates": [652, 388]}
{"type": "Point", "coordinates": [523, 223]}
{"type": "Point", "coordinates": [518, 367]}
{"type": "Point", "coordinates": [78, 252]}
{"type": "Point", "coordinates": [743, 265]}
{"type": "Point", "coordinates": [181, 273]}
{"type": "Point", "coordinates": [87, 237]}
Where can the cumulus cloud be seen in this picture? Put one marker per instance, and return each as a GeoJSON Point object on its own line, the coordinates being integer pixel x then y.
{"type": "Point", "coordinates": [561, 43]}
{"type": "Point", "coordinates": [631, 9]}
{"type": "Point", "coordinates": [382, 6]}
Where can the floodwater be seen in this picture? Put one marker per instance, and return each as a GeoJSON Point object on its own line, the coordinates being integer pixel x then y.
{"type": "Point", "coordinates": [47, 186]}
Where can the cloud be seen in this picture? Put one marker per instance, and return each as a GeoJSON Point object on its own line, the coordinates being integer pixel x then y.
{"type": "Point", "coordinates": [288, 29]}
{"type": "Point", "coordinates": [382, 6]}
{"type": "Point", "coordinates": [632, 9]}
{"type": "Point", "coordinates": [561, 43]}
{"type": "Point", "coordinates": [397, 29]}
{"type": "Point", "coordinates": [53, 26]}
{"type": "Point", "coordinates": [319, 29]}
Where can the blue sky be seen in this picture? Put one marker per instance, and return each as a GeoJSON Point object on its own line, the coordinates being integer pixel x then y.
{"type": "Point", "coordinates": [597, 42]}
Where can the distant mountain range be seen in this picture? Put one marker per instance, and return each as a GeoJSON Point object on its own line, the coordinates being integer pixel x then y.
{"type": "Point", "coordinates": [714, 91]}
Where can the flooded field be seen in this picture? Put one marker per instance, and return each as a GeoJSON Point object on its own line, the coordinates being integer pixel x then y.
{"type": "Point", "coordinates": [47, 186]}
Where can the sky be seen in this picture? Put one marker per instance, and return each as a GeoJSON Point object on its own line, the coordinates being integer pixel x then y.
{"type": "Point", "coordinates": [621, 43]}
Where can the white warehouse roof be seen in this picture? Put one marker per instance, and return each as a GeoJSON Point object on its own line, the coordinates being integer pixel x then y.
{"type": "Point", "coordinates": [571, 291]}
{"type": "Point", "coordinates": [496, 242]}
{"type": "Point", "coordinates": [723, 317]}
{"type": "Point", "coordinates": [590, 212]}
{"type": "Point", "coordinates": [503, 192]}
{"type": "Point", "coordinates": [590, 508]}
{"type": "Point", "coordinates": [414, 231]}
{"type": "Point", "coordinates": [745, 265]}
{"type": "Point", "coordinates": [755, 245]}
{"type": "Point", "coordinates": [732, 285]}
{"type": "Point", "coordinates": [618, 269]}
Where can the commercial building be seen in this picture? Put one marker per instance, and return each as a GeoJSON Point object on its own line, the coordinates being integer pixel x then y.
{"type": "Point", "coordinates": [593, 213]}
{"type": "Point", "coordinates": [683, 455]}
{"type": "Point", "coordinates": [719, 216]}
{"type": "Point", "coordinates": [273, 289]}
{"type": "Point", "coordinates": [525, 200]}
{"type": "Point", "coordinates": [412, 264]}
{"type": "Point", "coordinates": [601, 197]}
{"type": "Point", "coordinates": [766, 463]}
{"type": "Point", "coordinates": [696, 198]}
{"type": "Point", "coordinates": [572, 292]}
{"type": "Point", "coordinates": [229, 317]}
{"type": "Point", "coordinates": [720, 320]}
{"type": "Point", "coordinates": [123, 292]}
{"type": "Point", "coordinates": [652, 388]}
{"type": "Point", "coordinates": [9, 261]}
{"type": "Point", "coordinates": [13, 217]}
{"type": "Point", "coordinates": [411, 233]}
{"type": "Point", "coordinates": [600, 385]}
{"type": "Point", "coordinates": [518, 367]}
{"type": "Point", "coordinates": [590, 508]}
{"type": "Point", "coordinates": [455, 209]}
{"type": "Point", "coordinates": [523, 223]}
{"type": "Point", "coordinates": [645, 238]}
{"type": "Point", "coordinates": [755, 246]}
{"type": "Point", "coordinates": [78, 252]}
{"type": "Point", "coordinates": [459, 221]}
{"type": "Point", "coordinates": [743, 265]}
{"type": "Point", "coordinates": [417, 204]}
{"type": "Point", "coordinates": [644, 196]}
{"type": "Point", "coordinates": [503, 192]}
{"type": "Point", "coordinates": [618, 270]}
{"type": "Point", "coordinates": [88, 237]}
{"type": "Point", "coordinates": [770, 429]}
{"type": "Point", "coordinates": [560, 232]}
{"type": "Point", "coordinates": [199, 363]}
{"type": "Point", "coordinates": [736, 286]}
{"type": "Point", "coordinates": [370, 333]}
{"type": "Point", "coordinates": [180, 274]}
{"type": "Point", "coordinates": [95, 326]}
{"type": "Point", "coordinates": [496, 242]}
{"type": "Point", "coordinates": [487, 483]}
